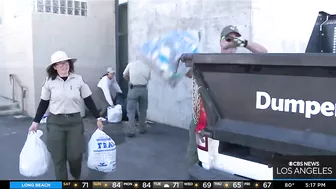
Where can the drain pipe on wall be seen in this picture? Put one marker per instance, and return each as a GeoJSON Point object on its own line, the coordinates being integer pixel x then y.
{"type": "Point", "coordinates": [116, 17]}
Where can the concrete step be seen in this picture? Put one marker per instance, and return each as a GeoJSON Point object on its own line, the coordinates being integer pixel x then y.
{"type": "Point", "coordinates": [8, 107]}
{"type": "Point", "coordinates": [16, 111]}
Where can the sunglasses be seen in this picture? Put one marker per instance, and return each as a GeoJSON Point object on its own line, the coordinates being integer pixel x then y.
{"type": "Point", "coordinates": [63, 63]}
{"type": "Point", "coordinates": [227, 39]}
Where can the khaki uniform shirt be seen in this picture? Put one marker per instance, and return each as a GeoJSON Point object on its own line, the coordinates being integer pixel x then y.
{"type": "Point", "coordinates": [65, 96]}
{"type": "Point", "coordinates": [139, 73]}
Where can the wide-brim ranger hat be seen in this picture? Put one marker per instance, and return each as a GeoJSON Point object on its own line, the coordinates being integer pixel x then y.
{"type": "Point", "coordinates": [59, 56]}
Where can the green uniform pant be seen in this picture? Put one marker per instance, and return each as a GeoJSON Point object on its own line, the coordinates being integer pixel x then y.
{"type": "Point", "coordinates": [66, 143]}
{"type": "Point", "coordinates": [192, 157]}
{"type": "Point", "coordinates": [137, 96]}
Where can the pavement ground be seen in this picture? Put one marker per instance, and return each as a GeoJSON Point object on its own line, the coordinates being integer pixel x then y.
{"type": "Point", "coordinates": [157, 155]}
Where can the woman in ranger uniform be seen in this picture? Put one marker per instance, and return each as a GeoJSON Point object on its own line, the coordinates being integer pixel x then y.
{"type": "Point", "coordinates": [62, 92]}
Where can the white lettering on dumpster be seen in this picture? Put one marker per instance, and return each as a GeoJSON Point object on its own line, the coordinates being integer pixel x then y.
{"type": "Point", "coordinates": [308, 108]}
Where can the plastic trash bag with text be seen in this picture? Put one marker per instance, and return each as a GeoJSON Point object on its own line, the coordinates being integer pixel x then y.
{"type": "Point", "coordinates": [102, 152]}
{"type": "Point", "coordinates": [163, 52]}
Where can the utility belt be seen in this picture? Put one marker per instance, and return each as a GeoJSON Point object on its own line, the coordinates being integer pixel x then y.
{"type": "Point", "coordinates": [66, 115]}
{"type": "Point", "coordinates": [137, 86]}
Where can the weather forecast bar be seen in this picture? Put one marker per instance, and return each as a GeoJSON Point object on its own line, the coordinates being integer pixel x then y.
{"type": "Point", "coordinates": [318, 183]}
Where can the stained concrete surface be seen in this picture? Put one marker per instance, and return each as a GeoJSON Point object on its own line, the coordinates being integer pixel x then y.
{"type": "Point", "coordinates": [157, 155]}
{"type": "Point", "coordinates": [5, 101]}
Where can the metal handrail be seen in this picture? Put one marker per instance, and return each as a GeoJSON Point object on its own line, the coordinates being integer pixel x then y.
{"type": "Point", "coordinates": [14, 79]}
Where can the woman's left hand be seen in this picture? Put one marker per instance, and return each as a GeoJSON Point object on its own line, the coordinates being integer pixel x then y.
{"type": "Point", "coordinates": [100, 124]}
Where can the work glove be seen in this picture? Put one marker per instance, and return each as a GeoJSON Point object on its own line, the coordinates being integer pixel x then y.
{"type": "Point", "coordinates": [233, 42]}
{"type": "Point", "coordinates": [240, 42]}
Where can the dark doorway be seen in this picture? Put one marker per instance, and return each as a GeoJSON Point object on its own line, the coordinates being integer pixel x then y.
{"type": "Point", "coordinates": [122, 48]}
{"type": "Point", "coordinates": [122, 45]}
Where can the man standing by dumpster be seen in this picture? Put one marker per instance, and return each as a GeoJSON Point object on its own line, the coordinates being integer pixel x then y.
{"type": "Point", "coordinates": [138, 74]}
{"type": "Point", "coordinates": [230, 40]}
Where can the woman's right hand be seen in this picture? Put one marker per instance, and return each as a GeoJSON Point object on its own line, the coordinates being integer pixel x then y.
{"type": "Point", "coordinates": [100, 124]}
{"type": "Point", "coordinates": [33, 127]}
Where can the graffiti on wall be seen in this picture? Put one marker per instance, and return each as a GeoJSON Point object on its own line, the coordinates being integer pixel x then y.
{"type": "Point", "coordinates": [163, 52]}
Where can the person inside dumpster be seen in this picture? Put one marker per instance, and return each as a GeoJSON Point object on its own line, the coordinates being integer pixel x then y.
{"type": "Point", "coordinates": [230, 40]}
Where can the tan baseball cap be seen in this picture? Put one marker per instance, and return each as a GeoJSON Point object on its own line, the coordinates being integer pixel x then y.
{"type": "Point", "coordinates": [229, 29]}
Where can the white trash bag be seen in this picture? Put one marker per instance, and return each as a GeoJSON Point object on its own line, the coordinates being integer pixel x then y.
{"type": "Point", "coordinates": [114, 115]}
{"type": "Point", "coordinates": [101, 152]}
{"type": "Point", "coordinates": [34, 157]}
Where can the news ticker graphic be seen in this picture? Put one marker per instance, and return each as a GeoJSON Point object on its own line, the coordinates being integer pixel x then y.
{"type": "Point", "coordinates": [168, 184]}
{"type": "Point", "coordinates": [304, 167]}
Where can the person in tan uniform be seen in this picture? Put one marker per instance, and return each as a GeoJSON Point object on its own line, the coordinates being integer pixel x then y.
{"type": "Point", "coordinates": [62, 92]}
{"type": "Point", "coordinates": [138, 74]}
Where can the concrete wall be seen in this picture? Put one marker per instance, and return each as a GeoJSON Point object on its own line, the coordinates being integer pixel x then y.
{"type": "Point", "coordinates": [282, 26]}
{"type": "Point", "coordinates": [90, 38]}
{"type": "Point", "coordinates": [173, 106]}
{"type": "Point", "coordinates": [28, 39]}
{"type": "Point", "coordinates": [1, 11]}
{"type": "Point", "coordinates": [16, 48]}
